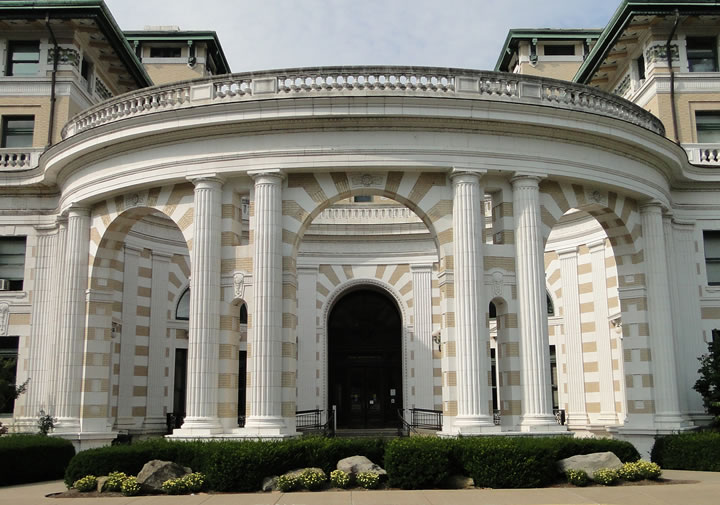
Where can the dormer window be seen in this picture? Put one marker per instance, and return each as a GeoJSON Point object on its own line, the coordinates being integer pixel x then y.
{"type": "Point", "coordinates": [559, 50]}
{"type": "Point", "coordinates": [165, 52]}
{"type": "Point", "coordinates": [23, 58]}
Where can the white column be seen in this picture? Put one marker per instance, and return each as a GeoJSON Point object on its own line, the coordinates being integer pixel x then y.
{"type": "Point", "coordinates": [577, 411]}
{"type": "Point", "coordinates": [41, 327]}
{"type": "Point", "coordinates": [265, 347]}
{"type": "Point", "coordinates": [204, 326]}
{"type": "Point", "coordinates": [471, 333]}
{"type": "Point", "coordinates": [57, 297]}
{"type": "Point", "coordinates": [667, 406]}
{"type": "Point", "coordinates": [532, 310]}
{"type": "Point", "coordinates": [602, 334]}
{"type": "Point", "coordinates": [72, 320]}
{"type": "Point", "coordinates": [154, 415]}
{"type": "Point", "coordinates": [128, 338]}
{"type": "Point", "coordinates": [422, 305]}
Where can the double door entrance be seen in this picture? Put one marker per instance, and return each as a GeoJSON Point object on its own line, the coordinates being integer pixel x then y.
{"type": "Point", "coordinates": [365, 370]}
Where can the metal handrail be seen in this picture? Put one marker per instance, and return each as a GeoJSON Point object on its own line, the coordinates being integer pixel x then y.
{"type": "Point", "coordinates": [427, 419]}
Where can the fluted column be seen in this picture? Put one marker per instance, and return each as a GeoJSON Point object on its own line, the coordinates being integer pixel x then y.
{"type": "Point", "coordinates": [471, 333]}
{"type": "Point", "coordinates": [667, 406]}
{"type": "Point", "coordinates": [72, 320]}
{"type": "Point", "coordinates": [602, 334]}
{"type": "Point", "coordinates": [265, 348]}
{"type": "Point", "coordinates": [57, 297]}
{"type": "Point", "coordinates": [577, 411]}
{"type": "Point", "coordinates": [422, 305]}
{"type": "Point", "coordinates": [40, 327]}
{"type": "Point", "coordinates": [532, 310]}
{"type": "Point", "coordinates": [204, 324]}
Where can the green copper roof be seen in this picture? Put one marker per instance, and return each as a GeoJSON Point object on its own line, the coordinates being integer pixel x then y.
{"type": "Point", "coordinates": [517, 34]}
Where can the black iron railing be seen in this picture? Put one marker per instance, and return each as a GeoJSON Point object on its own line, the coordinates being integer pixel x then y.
{"type": "Point", "coordinates": [426, 419]}
{"type": "Point", "coordinates": [560, 416]}
{"type": "Point", "coordinates": [174, 420]}
{"type": "Point", "coordinates": [404, 428]}
{"type": "Point", "coordinates": [496, 417]}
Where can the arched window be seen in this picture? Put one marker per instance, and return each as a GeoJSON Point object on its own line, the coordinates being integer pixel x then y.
{"type": "Point", "coordinates": [550, 305]}
{"type": "Point", "coordinates": [492, 311]}
{"type": "Point", "coordinates": [243, 314]}
{"type": "Point", "coordinates": [182, 311]}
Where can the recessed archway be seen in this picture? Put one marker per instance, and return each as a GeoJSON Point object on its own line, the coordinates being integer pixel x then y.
{"type": "Point", "coordinates": [365, 359]}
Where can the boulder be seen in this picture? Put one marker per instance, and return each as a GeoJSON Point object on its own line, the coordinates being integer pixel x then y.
{"type": "Point", "coordinates": [590, 463]}
{"type": "Point", "coordinates": [155, 472]}
{"type": "Point", "coordinates": [359, 464]}
{"type": "Point", "coordinates": [269, 484]}
{"type": "Point", "coordinates": [101, 483]}
{"type": "Point", "coordinates": [300, 471]}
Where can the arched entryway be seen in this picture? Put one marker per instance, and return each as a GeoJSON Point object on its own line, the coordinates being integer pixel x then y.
{"type": "Point", "coordinates": [365, 360]}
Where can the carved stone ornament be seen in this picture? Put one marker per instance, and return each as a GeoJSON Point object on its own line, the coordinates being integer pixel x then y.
{"type": "Point", "coordinates": [596, 196]}
{"type": "Point", "coordinates": [498, 281]}
{"type": "Point", "coordinates": [4, 318]}
{"type": "Point", "coordinates": [366, 180]}
{"type": "Point", "coordinates": [239, 284]}
{"type": "Point", "coordinates": [134, 200]}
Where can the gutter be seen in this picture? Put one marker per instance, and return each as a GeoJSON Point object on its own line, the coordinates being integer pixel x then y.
{"type": "Point", "coordinates": [53, 79]}
{"type": "Point", "coordinates": [668, 55]}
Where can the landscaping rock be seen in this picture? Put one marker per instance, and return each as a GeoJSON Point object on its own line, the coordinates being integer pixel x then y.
{"type": "Point", "coordinates": [300, 471]}
{"type": "Point", "coordinates": [270, 484]}
{"type": "Point", "coordinates": [101, 483]}
{"type": "Point", "coordinates": [457, 482]}
{"type": "Point", "coordinates": [155, 472]}
{"type": "Point", "coordinates": [590, 463]}
{"type": "Point", "coordinates": [359, 464]}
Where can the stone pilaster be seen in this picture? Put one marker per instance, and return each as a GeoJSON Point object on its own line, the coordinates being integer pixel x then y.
{"type": "Point", "coordinates": [577, 411]}
{"type": "Point", "coordinates": [204, 325]}
{"type": "Point", "coordinates": [128, 339]}
{"type": "Point", "coordinates": [72, 320]}
{"type": "Point", "coordinates": [266, 342]}
{"type": "Point", "coordinates": [471, 333]}
{"type": "Point", "coordinates": [532, 311]}
{"type": "Point", "coordinates": [422, 305]}
{"type": "Point", "coordinates": [154, 415]}
{"type": "Point", "coordinates": [667, 406]}
{"type": "Point", "coordinates": [56, 301]}
{"type": "Point", "coordinates": [308, 347]}
{"type": "Point", "coordinates": [602, 334]}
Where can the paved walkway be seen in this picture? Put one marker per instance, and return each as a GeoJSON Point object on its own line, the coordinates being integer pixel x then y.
{"type": "Point", "coordinates": [704, 490]}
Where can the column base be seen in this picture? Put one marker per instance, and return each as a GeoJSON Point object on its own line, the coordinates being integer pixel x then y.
{"type": "Point", "coordinates": [265, 426]}
{"type": "Point", "coordinates": [25, 425]}
{"type": "Point", "coordinates": [671, 421]}
{"type": "Point", "coordinates": [198, 427]}
{"type": "Point", "coordinates": [474, 425]}
{"type": "Point", "coordinates": [67, 425]}
{"type": "Point", "coordinates": [83, 441]}
{"type": "Point", "coordinates": [154, 425]}
{"type": "Point", "coordinates": [576, 420]}
{"type": "Point", "coordinates": [606, 418]}
{"type": "Point", "coordinates": [540, 423]}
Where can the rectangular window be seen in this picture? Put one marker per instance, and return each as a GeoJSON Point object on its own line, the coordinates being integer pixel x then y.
{"type": "Point", "coordinates": [23, 58]}
{"type": "Point", "coordinates": [711, 238]}
{"type": "Point", "coordinates": [640, 67]}
{"type": "Point", "coordinates": [86, 73]}
{"type": "Point", "coordinates": [554, 378]}
{"type": "Point", "coordinates": [702, 54]}
{"type": "Point", "coordinates": [165, 52]}
{"type": "Point", "coordinates": [559, 50]}
{"type": "Point", "coordinates": [362, 198]}
{"type": "Point", "coordinates": [708, 127]}
{"type": "Point", "coordinates": [12, 263]}
{"type": "Point", "coordinates": [493, 374]}
{"type": "Point", "coordinates": [17, 131]}
{"type": "Point", "coordinates": [8, 373]}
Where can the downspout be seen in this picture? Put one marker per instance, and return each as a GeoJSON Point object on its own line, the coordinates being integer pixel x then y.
{"type": "Point", "coordinates": [668, 55]}
{"type": "Point", "coordinates": [53, 78]}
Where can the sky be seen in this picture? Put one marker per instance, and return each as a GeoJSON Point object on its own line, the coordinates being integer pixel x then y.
{"type": "Point", "coordinates": [271, 34]}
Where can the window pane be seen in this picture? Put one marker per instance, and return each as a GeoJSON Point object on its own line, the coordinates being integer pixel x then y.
{"type": "Point", "coordinates": [183, 306]}
{"type": "Point", "coordinates": [25, 52]}
{"type": "Point", "coordinates": [702, 54]}
{"type": "Point", "coordinates": [562, 50]}
{"type": "Point", "coordinates": [24, 69]}
{"type": "Point", "coordinates": [708, 127]}
{"type": "Point", "coordinates": [12, 258]}
{"type": "Point", "coordinates": [713, 273]}
{"type": "Point", "coordinates": [711, 238]}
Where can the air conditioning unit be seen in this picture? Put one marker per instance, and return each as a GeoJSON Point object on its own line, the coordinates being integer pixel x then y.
{"type": "Point", "coordinates": [4, 284]}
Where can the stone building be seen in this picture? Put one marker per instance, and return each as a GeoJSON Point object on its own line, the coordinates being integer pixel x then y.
{"type": "Point", "coordinates": [504, 247]}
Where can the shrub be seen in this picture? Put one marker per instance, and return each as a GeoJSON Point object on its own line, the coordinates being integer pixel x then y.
{"type": "Point", "coordinates": [194, 482]}
{"type": "Point", "coordinates": [114, 481]}
{"type": "Point", "coordinates": [287, 483]}
{"type": "Point", "coordinates": [631, 471]}
{"type": "Point", "coordinates": [35, 458]}
{"type": "Point", "coordinates": [45, 423]}
{"type": "Point", "coordinates": [130, 487]}
{"type": "Point", "coordinates": [313, 479]}
{"type": "Point", "coordinates": [418, 462]}
{"type": "Point", "coordinates": [606, 477]}
{"type": "Point", "coordinates": [708, 385]}
{"type": "Point", "coordinates": [688, 451]}
{"type": "Point", "coordinates": [648, 470]}
{"type": "Point", "coordinates": [368, 480]}
{"type": "Point", "coordinates": [86, 484]}
{"type": "Point", "coordinates": [577, 477]}
{"type": "Point", "coordinates": [340, 479]}
{"type": "Point", "coordinates": [175, 486]}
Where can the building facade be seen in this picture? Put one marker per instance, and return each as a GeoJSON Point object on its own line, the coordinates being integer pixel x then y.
{"type": "Point", "coordinates": [498, 246]}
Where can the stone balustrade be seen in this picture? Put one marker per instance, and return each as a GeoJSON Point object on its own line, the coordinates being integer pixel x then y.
{"type": "Point", "coordinates": [373, 214]}
{"type": "Point", "coordinates": [703, 154]}
{"type": "Point", "coordinates": [364, 81]}
{"type": "Point", "coordinates": [19, 158]}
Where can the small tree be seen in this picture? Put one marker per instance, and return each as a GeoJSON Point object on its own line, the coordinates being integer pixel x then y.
{"type": "Point", "coordinates": [708, 385]}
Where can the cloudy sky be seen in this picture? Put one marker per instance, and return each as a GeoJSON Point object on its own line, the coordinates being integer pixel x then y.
{"type": "Point", "coordinates": [267, 34]}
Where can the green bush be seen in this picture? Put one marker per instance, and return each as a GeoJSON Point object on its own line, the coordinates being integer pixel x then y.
{"type": "Point", "coordinates": [130, 487]}
{"type": "Point", "coordinates": [34, 458]}
{"type": "Point", "coordinates": [368, 480]}
{"type": "Point", "coordinates": [313, 479]}
{"type": "Point", "coordinates": [631, 471]}
{"type": "Point", "coordinates": [648, 470]}
{"type": "Point", "coordinates": [114, 482]}
{"type": "Point", "coordinates": [340, 479]}
{"type": "Point", "coordinates": [194, 482]}
{"type": "Point", "coordinates": [175, 486]}
{"type": "Point", "coordinates": [688, 451]}
{"type": "Point", "coordinates": [577, 477]}
{"type": "Point", "coordinates": [86, 484]}
{"type": "Point", "coordinates": [418, 462]}
{"type": "Point", "coordinates": [287, 483]}
{"type": "Point", "coordinates": [606, 477]}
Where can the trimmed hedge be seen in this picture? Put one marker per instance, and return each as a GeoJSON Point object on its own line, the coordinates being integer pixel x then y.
{"type": "Point", "coordinates": [688, 451]}
{"type": "Point", "coordinates": [411, 463]}
{"type": "Point", "coordinates": [33, 458]}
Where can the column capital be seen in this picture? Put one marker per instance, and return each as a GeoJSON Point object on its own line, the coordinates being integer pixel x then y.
{"type": "Point", "coordinates": [131, 249]}
{"type": "Point", "coordinates": [567, 252]}
{"type": "Point", "coordinates": [684, 224]}
{"type": "Point", "coordinates": [269, 176]}
{"type": "Point", "coordinates": [206, 181]}
{"type": "Point", "coordinates": [596, 244]}
{"type": "Point", "coordinates": [466, 174]}
{"type": "Point", "coordinates": [46, 229]}
{"type": "Point", "coordinates": [526, 179]}
{"type": "Point", "coordinates": [76, 210]}
{"type": "Point", "coordinates": [161, 255]}
{"type": "Point", "coordinates": [652, 206]}
{"type": "Point", "coordinates": [421, 268]}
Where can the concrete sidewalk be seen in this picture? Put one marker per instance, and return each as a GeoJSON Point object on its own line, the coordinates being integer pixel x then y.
{"type": "Point", "coordinates": [704, 490]}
